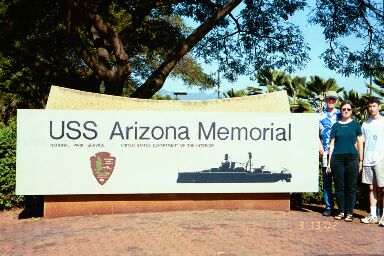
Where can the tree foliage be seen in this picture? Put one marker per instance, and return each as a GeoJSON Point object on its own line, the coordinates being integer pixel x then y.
{"type": "Point", "coordinates": [345, 20]}
{"type": "Point", "coordinates": [309, 96]}
{"type": "Point", "coordinates": [378, 86]}
{"type": "Point", "coordinates": [232, 93]}
{"type": "Point", "coordinates": [130, 47]}
{"type": "Point", "coordinates": [316, 89]}
{"type": "Point", "coordinates": [304, 96]}
{"type": "Point", "coordinates": [272, 80]}
{"type": "Point", "coordinates": [359, 102]}
{"type": "Point", "coordinates": [84, 46]}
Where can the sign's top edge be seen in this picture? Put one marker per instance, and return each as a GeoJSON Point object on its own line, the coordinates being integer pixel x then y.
{"type": "Point", "coordinates": [164, 111]}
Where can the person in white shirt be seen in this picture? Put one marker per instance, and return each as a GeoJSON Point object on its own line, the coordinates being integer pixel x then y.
{"type": "Point", "coordinates": [373, 164]}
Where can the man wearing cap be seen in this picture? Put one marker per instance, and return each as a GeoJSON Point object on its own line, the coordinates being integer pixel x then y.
{"type": "Point", "coordinates": [328, 117]}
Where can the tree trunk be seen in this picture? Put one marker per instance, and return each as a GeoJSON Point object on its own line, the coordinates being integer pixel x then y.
{"type": "Point", "coordinates": [107, 41]}
{"type": "Point", "coordinates": [114, 87]}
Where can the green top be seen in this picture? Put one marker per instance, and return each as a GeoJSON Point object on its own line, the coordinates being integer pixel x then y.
{"type": "Point", "coordinates": [345, 137]}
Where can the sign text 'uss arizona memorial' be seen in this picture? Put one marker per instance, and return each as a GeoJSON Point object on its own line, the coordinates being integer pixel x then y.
{"type": "Point", "coordinates": [75, 130]}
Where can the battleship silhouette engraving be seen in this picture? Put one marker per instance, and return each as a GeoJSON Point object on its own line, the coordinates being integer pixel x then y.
{"type": "Point", "coordinates": [228, 173]}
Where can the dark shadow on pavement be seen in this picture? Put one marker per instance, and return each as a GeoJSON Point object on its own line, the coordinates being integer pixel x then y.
{"type": "Point", "coordinates": [34, 207]}
{"type": "Point", "coordinates": [319, 209]}
{"type": "Point", "coordinates": [307, 208]}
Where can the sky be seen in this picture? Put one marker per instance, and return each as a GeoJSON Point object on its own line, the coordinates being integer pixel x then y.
{"type": "Point", "coordinates": [313, 36]}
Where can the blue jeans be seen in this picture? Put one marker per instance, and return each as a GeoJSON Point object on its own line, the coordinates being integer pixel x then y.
{"type": "Point", "coordinates": [327, 189]}
{"type": "Point", "coordinates": [345, 169]}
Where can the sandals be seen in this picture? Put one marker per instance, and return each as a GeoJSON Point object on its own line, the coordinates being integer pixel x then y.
{"type": "Point", "coordinates": [340, 216]}
{"type": "Point", "coordinates": [349, 218]}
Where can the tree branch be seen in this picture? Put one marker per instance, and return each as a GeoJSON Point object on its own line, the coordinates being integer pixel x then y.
{"type": "Point", "coordinates": [236, 22]}
{"type": "Point", "coordinates": [157, 78]}
{"type": "Point", "coordinates": [75, 41]}
{"type": "Point", "coordinates": [144, 9]}
{"type": "Point", "coordinates": [114, 74]}
{"type": "Point", "coordinates": [110, 32]}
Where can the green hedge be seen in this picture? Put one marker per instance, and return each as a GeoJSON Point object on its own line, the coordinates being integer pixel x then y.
{"type": "Point", "coordinates": [8, 199]}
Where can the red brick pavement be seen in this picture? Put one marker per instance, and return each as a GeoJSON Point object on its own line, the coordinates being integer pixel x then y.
{"type": "Point", "coordinates": [210, 232]}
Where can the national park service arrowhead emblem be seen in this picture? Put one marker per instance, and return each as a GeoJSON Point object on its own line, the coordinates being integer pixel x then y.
{"type": "Point", "coordinates": [102, 165]}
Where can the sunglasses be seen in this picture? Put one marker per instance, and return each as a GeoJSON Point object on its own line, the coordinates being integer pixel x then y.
{"type": "Point", "coordinates": [346, 109]}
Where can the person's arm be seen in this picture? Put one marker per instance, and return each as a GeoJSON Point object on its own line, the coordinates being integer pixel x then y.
{"type": "Point", "coordinates": [360, 147]}
{"type": "Point", "coordinates": [331, 146]}
{"type": "Point", "coordinates": [364, 132]}
{"type": "Point", "coordinates": [321, 149]}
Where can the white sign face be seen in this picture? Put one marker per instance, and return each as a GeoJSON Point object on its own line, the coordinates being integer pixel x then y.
{"type": "Point", "coordinates": [133, 152]}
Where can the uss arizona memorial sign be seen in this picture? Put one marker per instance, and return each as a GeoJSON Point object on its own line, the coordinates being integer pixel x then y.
{"type": "Point", "coordinates": [133, 152]}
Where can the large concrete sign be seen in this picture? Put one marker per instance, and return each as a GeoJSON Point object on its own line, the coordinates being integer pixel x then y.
{"type": "Point", "coordinates": [98, 159]}
{"type": "Point", "coordinates": [146, 152]}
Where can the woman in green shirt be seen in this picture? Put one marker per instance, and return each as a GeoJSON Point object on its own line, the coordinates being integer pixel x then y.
{"type": "Point", "coordinates": [345, 160]}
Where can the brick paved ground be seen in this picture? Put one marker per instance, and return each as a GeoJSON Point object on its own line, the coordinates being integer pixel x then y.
{"type": "Point", "coordinates": [210, 232]}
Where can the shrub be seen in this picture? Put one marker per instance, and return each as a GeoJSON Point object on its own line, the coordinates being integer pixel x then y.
{"type": "Point", "coordinates": [8, 199]}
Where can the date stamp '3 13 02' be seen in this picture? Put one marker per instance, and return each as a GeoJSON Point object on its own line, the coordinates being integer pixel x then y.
{"type": "Point", "coordinates": [318, 225]}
